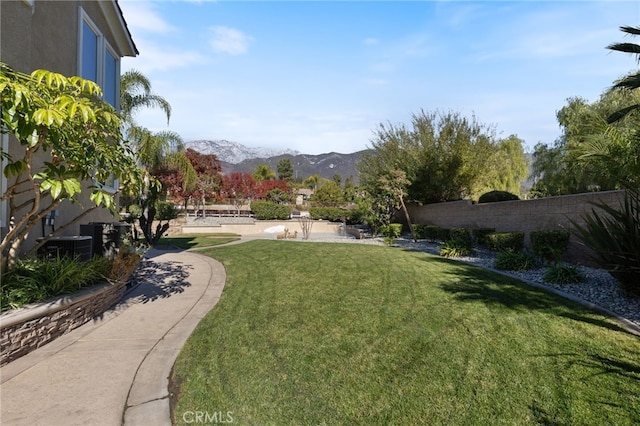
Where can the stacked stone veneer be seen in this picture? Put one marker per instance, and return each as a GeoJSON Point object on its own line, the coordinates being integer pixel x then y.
{"type": "Point", "coordinates": [23, 330]}
{"type": "Point", "coordinates": [522, 215]}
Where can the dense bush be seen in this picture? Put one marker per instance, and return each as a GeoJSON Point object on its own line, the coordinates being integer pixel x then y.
{"type": "Point", "coordinates": [462, 236]}
{"type": "Point", "coordinates": [431, 232]}
{"type": "Point", "coordinates": [480, 234]}
{"type": "Point", "coordinates": [614, 235]}
{"type": "Point", "coordinates": [563, 274]}
{"type": "Point", "coordinates": [166, 210]}
{"type": "Point", "coordinates": [497, 196]}
{"type": "Point", "coordinates": [35, 280]}
{"type": "Point", "coordinates": [392, 230]}
{"type": "Point", "coordinates": [267, 210]}
{"type": "Point", "coordinates": [505, 241]}
{"type": "Point", "coordinates": [332, 214]}
{"type": "Point", "coordinates": [515, 261]}
{"type": "Point", "coordinates": [549, 245]}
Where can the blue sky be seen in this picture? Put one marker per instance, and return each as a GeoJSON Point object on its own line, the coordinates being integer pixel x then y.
{"type": "Point", "coordinates": [320, 76]}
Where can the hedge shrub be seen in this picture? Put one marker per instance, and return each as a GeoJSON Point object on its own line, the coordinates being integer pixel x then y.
{"type": "Point", "coordinates": [549, 244]}
{"type": "Point", "coordinates": [505, 241]}
{"type": "Point", "coordinates": [332, 214]}
{"type": "Point", "coordinates": [267, 210]}
{"type": "Point", "coordinates": [480, 235]}
{"type": "Point", "coordinates": [462, 236]}
{"type": "Point", "coordinates": [497, 196]}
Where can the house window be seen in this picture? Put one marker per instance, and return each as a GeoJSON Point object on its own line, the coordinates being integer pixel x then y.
{"type": "Point", "coordinates": [110, 87]}
{"type": "Point", "coordinates": [97, 61]}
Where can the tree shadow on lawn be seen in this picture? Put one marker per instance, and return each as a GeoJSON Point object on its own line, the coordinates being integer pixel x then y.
{"type": "Point", "coordinates": [474, 283]}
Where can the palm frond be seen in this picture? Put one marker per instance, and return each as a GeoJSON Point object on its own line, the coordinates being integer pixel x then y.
{"type": "Point", "coordinates": [631, 82]}
{"type": "Point", "coordinates": [620, 114]}
{"type": "Point", "coordinates": [630, 30]}
{"type": "Point", "coordinates": [625, 48]}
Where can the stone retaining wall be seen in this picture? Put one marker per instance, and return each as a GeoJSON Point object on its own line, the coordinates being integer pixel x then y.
{"type": "Point", "coordinates": [23, 330]}
{"type": "Point", "coordinates": [259, 227]}
{"type": "Point", "coordinates": [522, 215]}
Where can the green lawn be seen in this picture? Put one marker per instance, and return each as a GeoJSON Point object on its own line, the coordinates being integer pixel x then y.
{"type": "Point", "coordinates": [318, 333]}
{"type": "Point", "coordinates": [188, 241]}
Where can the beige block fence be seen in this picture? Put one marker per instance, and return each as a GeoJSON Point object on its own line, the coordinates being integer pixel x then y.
{"type": "Point", "coordinates": [552, 213]}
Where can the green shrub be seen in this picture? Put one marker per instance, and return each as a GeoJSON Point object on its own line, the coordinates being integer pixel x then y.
{"type": "Point", "coordinates": [480, 235]}
{"type": "Point", "coordinates": [563, 274]}
{"type": "Point", "coordinates": [463, 236]}
{"type": "Point", "coordinates": [166, 210]}
{"type": "Point", "coordinates": [455, 248]}
{"type": "Point", "coordinates": [35, 280]}
{"type": "Point", "coordinates": [497, 196]}
{"type": "Point", "coordinates": [420, 231]}
{"type": "Point", "coordinates": [505, 241]}
{"type": "Point", "coordinates": [550, 244]}
{"type": "Point", "coordinates": [267, 210]}
{"type": "Point", "coordinates": [614, 235]}
{"type": "Point", "coordinates": [332, 214]}
{"type": "Point", "coordinates": [392, 230]}
{"type": "Point", "coordinates": [515, 261]}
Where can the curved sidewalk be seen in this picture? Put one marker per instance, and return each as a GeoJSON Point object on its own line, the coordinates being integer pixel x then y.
{"type": "Point", "coordinates": [114, 370]}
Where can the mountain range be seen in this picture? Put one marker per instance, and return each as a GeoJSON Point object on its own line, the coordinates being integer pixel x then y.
{"type": "Point", "coordinates": [235, 157]}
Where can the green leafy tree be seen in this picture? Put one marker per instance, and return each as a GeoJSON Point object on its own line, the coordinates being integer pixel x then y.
{"type": "Point", "coordinates": [312, 181]}
{"type": "Point", "coordinates": [504, 170]}
{"type": "Point", "coordinates": [328, 193]}
{"type": "Point", "coordinates": [61, 118]}
{"type": "Point", "coordinates": [591, 154]}
{"type": "Point", "coordinates": [395, 183]}
{"type": "Point", "coordinates": [443, 155]}
{"type": "Point", "coordinates": [263, 172]}
{"type": "Point", "coordinates": [350, 189]}
{"type": "Point", "coordinates": [285, 169]}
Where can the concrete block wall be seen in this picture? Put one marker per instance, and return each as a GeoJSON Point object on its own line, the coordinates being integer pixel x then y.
{"type": "Point", "coordinates": [521, 215]}
{"type": "Point", "coordinates": [23, 330]}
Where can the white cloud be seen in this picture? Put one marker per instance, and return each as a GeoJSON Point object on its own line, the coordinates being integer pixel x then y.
{"type": "Point", "coordinates": [142, 17]}
{"type": "Point", "coordinates": [370, 41]}
{"type": "Point", "coordinates": [229, 40]}
{"type": "Point", "coordinates": [154, 57]}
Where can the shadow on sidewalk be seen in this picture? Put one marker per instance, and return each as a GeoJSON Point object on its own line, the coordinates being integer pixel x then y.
{"type": "Point", "coordinates": [156, 280]}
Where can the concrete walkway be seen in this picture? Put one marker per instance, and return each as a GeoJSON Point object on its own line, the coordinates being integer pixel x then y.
{"type": "Point", "coordinates": [114, 370]}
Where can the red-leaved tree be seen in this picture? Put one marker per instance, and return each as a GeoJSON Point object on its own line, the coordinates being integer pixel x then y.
{"type": "Point", "coordinates": [239, 188]}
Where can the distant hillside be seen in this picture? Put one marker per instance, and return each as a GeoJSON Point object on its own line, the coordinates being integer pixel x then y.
{"type": "Point", "coordinates": [304, 165]}
{"type": "Point", "coordinates": [233, 152]}
{"type": "Point", "coordinates": [235, 157]}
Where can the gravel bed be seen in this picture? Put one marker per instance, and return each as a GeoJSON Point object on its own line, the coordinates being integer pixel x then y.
{"type": "Point", "coordinates": [600, 288]}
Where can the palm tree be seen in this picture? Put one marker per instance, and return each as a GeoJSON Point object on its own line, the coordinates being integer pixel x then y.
{"type": "Point", "coordinates": [631, 81]}
{"type": "Point", "coordinates": [135, 93]}
{"type": "Point", "coordinates": [153, 148]}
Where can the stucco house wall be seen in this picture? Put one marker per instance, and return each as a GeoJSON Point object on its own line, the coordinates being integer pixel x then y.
{"type": "Point", "coordinates": [43, 34]}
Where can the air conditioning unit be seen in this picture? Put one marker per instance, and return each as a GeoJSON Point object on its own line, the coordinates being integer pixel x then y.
{"type": "Point", "coordinates": [80, 247]}
{"type": "Point", "coordinates": [107, 237]}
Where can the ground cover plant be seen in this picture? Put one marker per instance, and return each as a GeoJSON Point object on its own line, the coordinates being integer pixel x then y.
{"type": "Point", "coordinates": [188, 241]}
{"type": "Point", "coordinates": [34, 280]}
{"type": "Point", "coordinates": [320, 333]}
